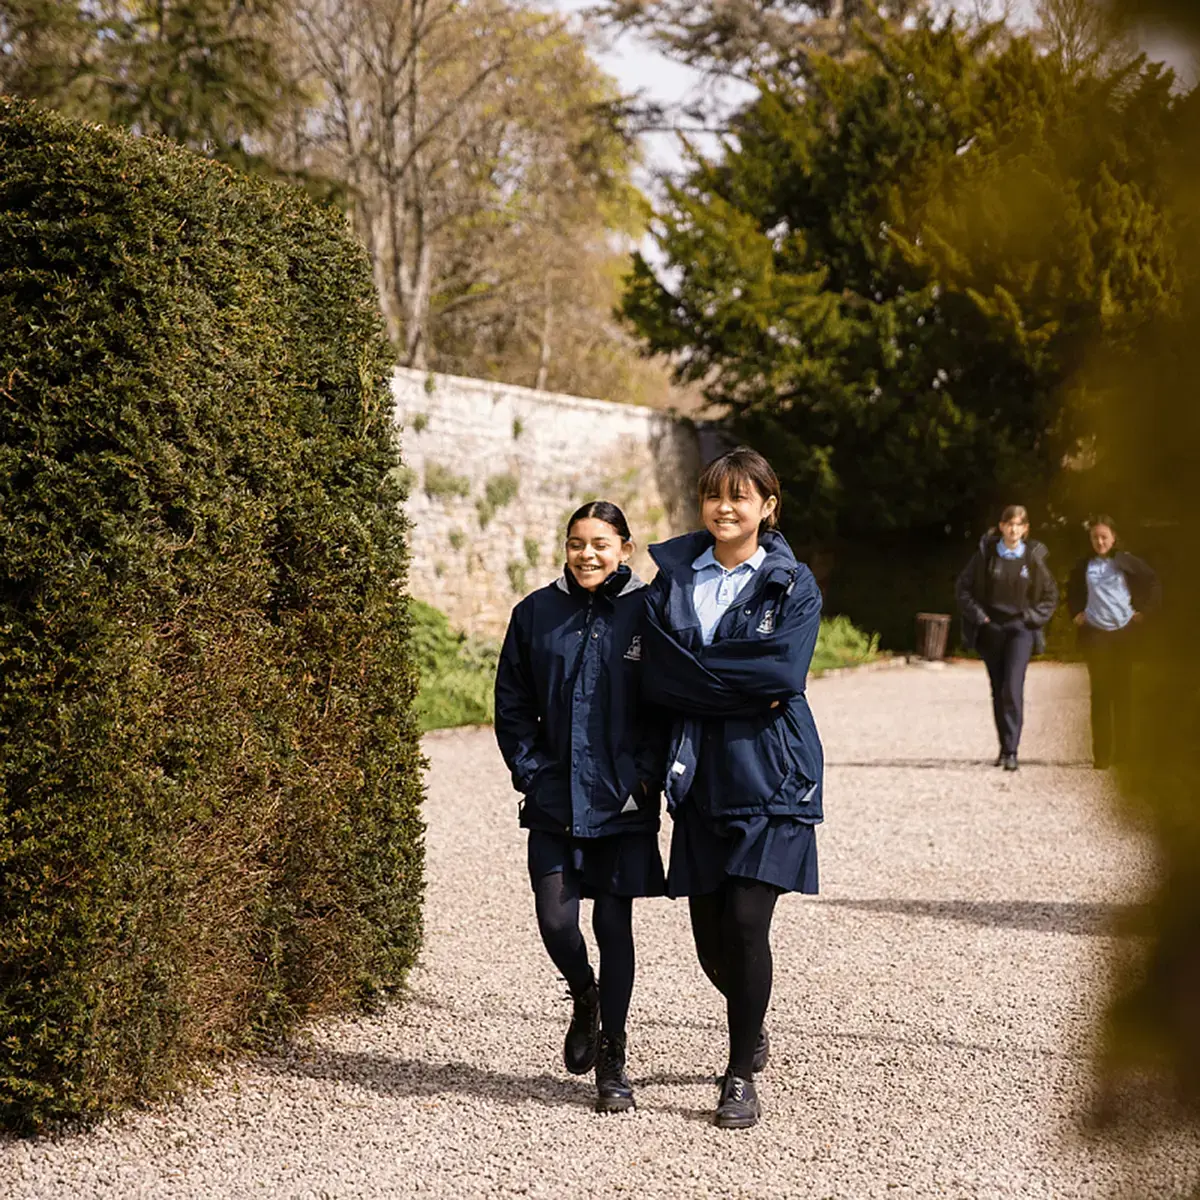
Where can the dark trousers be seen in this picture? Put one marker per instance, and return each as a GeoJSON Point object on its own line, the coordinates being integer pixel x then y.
{"type": "Point", "coordinates": [1110, 670]}
{"type": "Point", "coordinates": [1007, 649]}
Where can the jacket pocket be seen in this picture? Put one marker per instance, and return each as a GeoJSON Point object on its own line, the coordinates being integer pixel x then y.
{"type": "Point", "coordinates": [745, 764]}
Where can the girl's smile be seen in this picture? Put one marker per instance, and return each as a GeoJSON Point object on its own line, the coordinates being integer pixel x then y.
{"type": "Point", "coordinates": [594, 551]}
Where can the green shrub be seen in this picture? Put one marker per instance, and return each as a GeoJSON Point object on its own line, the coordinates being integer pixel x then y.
{"type": "Point", "coordinates": [516, 576]}
{"type": "Point", "coordinates": [841, 644]}
{"type": "Point", "coordinates": [518, 428]}
{"type": "Point", "coordinates": [533, 551]}
{"type": "Point", "coordinates": [457, 538]}
{"type": "Point", "coordinates": [420, 422]}
{"type": "Point", "coordinates": [497, 492]}
{"type": "Point", "coordinates": [210, 788]}
{"type": "Point", "coordinates": [441, 482]}
{"type": "Point", "coordinates": [457, 672]}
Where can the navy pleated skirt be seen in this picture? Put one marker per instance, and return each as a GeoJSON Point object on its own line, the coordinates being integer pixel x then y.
{"type": "Point", "coordinates": [625, 864]}
{"type": "Point", "coordinates": [705, 851]}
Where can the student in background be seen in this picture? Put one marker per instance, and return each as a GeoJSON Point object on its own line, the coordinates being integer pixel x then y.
{"type": "Point", "coordinates": [1109, 593]}
{"type": "Point", "coordinates": [1007, 595]}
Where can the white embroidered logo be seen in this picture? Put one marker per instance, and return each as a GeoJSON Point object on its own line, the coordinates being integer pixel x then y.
{"type": "Point", "coordinates": [634, 653]}
{"type": "Point", "coordinates": [767, 624]}
{"type": "Point", "coordinates": [1024, 572]}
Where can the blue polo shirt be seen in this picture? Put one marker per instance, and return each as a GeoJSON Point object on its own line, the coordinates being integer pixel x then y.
{"type": "Point", "coordinates": [1109, 605]}
{"type": "Point", "coordinates": [714, 589]}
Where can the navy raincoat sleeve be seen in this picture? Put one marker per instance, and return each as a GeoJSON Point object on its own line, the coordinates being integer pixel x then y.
{"type": "Point", "coordinates": [678, 681]}
{"type": "Point", "coordinates": [773, 666]}
{"type": "Point", "coordinates": [737, 676]}
{"type": "Point", "coordinates": [517, 721]}
{"type": "Point", "coordinates": [650, 753]}
{"type": "Point", "coordinates": [970, 604]}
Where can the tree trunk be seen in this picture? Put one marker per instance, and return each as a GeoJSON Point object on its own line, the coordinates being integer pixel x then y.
{"type": "Point", "coordinates": [547, 320]}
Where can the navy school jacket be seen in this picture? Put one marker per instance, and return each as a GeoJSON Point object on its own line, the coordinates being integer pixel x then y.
{"type": "Point", "coordinates": [583, 749]}
{"type": "Point", "coordinates": [973, 585]}
{"type": "Point", "coordinates": [730, 749]}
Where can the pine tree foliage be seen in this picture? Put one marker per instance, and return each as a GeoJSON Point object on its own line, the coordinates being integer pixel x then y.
{"type": "Point", "coordinates": [890, 272]}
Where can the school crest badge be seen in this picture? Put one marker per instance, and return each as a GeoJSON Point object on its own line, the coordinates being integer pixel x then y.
{"type": "Point", "coordinates": [634, 653]}
{"type": "Point", "coordinates": [767, 624]}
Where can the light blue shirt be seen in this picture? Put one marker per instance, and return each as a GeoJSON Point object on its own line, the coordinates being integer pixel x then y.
{"type": "Point", "coordinates": [714, 589]}
{"type": "Point", "coordinates": [1109, 605]}
{"type": "Point", "coordinates": [1017, 552]}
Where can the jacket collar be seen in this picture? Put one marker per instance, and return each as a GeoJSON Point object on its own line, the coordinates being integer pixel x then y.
{"type": "Point", "coordinates": [1035, 551]}
{"type": "Point", "coordinates": [677, 555]}
{"type": "Point", "coordinates": [709, 559]}
{"type": "Point", "coordinates": [620, 583]}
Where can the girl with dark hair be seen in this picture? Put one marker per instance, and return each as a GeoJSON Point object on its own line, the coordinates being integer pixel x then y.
{"type": "Point", "coordinates": [589, 761]}
{"type": "Point", "coordinates": [1007, 595]}
{"type": "Point", "coordinates": [1108, 595]}
{"type": "Point", "coordinates": [732, 620]}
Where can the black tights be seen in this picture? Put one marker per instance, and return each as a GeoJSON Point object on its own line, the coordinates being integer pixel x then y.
{"type": "Point", "coordinates": [732, 928]}
{"type": "Point", "coordinates": [556, 899]}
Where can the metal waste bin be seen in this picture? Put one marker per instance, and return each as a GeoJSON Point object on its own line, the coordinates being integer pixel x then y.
{"type": "Point", "coordinates": [933, 630]}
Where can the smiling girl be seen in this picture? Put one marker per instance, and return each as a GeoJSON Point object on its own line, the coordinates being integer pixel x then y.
{"type": "Point", "coordinates": [732, 619]}
{"type": "Point", "coordinates": [588, 761]}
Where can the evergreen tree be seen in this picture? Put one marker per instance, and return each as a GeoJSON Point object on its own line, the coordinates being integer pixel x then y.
{"type": "Point", "coordinates": [889, 273]}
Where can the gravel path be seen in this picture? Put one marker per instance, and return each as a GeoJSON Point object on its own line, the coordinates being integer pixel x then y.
{"type": "Point", "coordinates": [930, 1022]}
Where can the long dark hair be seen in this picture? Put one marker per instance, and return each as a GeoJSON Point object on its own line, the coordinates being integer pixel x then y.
{"type": "Point", "coordinates": [602, 510]}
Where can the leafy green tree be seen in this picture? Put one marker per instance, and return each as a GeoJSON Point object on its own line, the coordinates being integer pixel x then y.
{"type": "Point", "coordinates": [743, 38]}
{"type": "Point", "coordinates": [206, 73]}
{"type": "Point", "coordinates": [890, 272]}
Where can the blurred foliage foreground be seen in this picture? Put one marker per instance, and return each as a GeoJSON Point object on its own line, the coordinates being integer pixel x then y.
{"type": "Point", "coordinates": [1149, 442]}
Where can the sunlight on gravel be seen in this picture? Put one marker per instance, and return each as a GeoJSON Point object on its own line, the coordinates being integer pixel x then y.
{"type": "Point", "coordinates": [930, 1025]}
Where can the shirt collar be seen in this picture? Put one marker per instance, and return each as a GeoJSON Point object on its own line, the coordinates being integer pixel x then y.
{"type": "Point", "coordinates": [1005, 552]}
{"type": "Point", "coordinates": [708, 559]}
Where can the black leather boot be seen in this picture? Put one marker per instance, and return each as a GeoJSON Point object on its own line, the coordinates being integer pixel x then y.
{"type": "Point", "coordinates": [762, 1051]}
{"type": "Point", "coordinates": [583, 1034]}
{"type": "Point", "coordinates": [613, 1092]}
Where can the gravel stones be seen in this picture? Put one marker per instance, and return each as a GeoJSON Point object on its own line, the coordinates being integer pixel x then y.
{"type": "Point", "coordinates": [931, 1024]}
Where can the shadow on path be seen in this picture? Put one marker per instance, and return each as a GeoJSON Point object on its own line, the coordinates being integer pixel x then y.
{"type": "Point", "coordinates": [404, 1078]}
{"type": "Point", "coordinates": [1037, 916]}
{"type": "Point", "coordinates": [942, 764]}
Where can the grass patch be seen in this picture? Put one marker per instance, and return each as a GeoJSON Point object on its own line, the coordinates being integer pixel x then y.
{"type": "Point", "coordinates": [842, 644]}
{"type": "Point", "coordinates": [456, 671]}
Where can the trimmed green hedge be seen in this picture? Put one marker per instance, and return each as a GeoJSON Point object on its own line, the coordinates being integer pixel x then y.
{"type": "Point", "coordinates": [210, 786]}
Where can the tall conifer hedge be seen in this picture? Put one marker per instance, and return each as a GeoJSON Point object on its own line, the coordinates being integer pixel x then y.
{"type": "Point", "coordinates": [209, 773]}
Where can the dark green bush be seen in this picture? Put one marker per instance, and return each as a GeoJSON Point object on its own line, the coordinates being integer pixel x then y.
{"type": "Point", "coordinates": [210, 783]}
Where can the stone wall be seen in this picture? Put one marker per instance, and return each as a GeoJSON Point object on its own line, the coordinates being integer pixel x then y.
{"type": "Point", "coordinates": [495, 471]}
